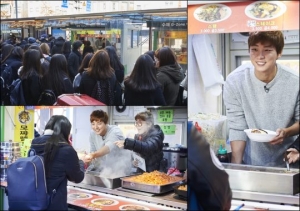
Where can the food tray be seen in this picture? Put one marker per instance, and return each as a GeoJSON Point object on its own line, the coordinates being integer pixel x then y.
{"type": "Point", "coordinates": [94, 178]}
{"type": "Point", "coordinates": [181, 193]}
{"type": "Point", "coordinates": [157, 189]}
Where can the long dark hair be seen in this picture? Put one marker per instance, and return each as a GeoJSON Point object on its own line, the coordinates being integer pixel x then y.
{"type": "Point", "coordinates": [85, 62]}
{"type": "Point", "coordinates": [142, 77]}
{"type": "Point", "coordinates": [165, 56]}
{"type": "Point", "coordinates": [66, 48]}
{"type": "Point", "coordinates": [6, 52]}
{"type": "Point", "coordinates": [61, 131]}
{"type": "Point", "coordinates": [113, 57]}
{"type": "Point", "coordinates": [16, 52]}
{"type": "Point", "coordinates": [31, 64]}
{"type": "Point", "coordinates": [99, 66]}
{"type": "Point", "coordinates": [58, 71]}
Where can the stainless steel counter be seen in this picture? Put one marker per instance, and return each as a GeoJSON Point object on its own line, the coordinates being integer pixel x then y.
{"type": "Point", "coordinates": [167, 199]}
{"type": "Point", "coordinates": [266, 197]}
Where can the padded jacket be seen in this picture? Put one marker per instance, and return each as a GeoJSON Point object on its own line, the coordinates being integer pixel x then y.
{"type": "Point", "coordinates": [149, 147]}
{"type": "Point", "coordinates": [207, 178]}
{"type": "Point", "coordinates": [65, 167]}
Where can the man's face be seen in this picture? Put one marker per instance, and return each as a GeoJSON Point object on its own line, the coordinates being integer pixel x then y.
{"type": "Point", "coordinates": [99, 127]}
{"type": "Point", "coordinates": [141, 126]}
{"type": "Point", "coordinates": [263, 57]}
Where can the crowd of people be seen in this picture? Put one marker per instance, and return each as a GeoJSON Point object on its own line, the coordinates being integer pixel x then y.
{"type": "Point", "coordinates": [55, 66]}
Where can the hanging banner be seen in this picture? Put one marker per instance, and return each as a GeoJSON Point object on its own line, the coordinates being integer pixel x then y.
{"type": "Point", "coordinates": [24, 121]}
{"type": "Point", "coordinates": [64, 4]}
{"type": "Point", "coordinates": [244, 16]}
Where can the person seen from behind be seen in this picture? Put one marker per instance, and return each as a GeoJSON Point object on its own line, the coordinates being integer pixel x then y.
{"type": "Point", "coordinates": [61, 163]}
{"type": "Point", "coordinates": [142, 86]}
{"type": "Point", "coordinates": [99, 80]}
{"type": "Point", "coordinates": [74, 60]}
{"type": "Point", "coordinates": [83, 67]}
{"type": "Point", "coordinates": [169, 74]}
{"type": "Point", "coordinates": [115, 63]}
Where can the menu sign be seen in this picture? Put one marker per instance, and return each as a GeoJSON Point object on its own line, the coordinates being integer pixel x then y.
{"type": "Point", "coordinates": [245, 16]}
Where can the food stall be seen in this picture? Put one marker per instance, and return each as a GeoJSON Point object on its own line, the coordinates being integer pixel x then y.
{"type": "Point", "coordinates": [218, 33]}
{"type": "Point", "coordinates": [100, 189]}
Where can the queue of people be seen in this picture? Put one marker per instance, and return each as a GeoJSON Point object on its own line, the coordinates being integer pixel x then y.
{"type": "Point", "coordinates": [155, 79]}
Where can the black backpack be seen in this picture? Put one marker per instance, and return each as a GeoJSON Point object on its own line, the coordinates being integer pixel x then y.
{"type": "Point", "coordinates": [6, 80]}
{"type": "Point", "coordinates": [16, 93]}
{"type": "Point", "coordinates": [47, 97]}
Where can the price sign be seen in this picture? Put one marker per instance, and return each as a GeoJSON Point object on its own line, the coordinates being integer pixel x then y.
{"type": "Point", "coordinates": [168, 129]}
{"type": "Point", "coordinates": [165, 115]}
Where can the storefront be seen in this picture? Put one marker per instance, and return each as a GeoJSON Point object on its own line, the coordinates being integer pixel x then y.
{"type": "Point", "coordinates": [22, 121]}
{"type": "Point", "coordinates": [218, 43]}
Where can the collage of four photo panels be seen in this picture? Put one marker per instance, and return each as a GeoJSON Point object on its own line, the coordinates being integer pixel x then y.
{"type": "Point", "coordinates": [188, 105]}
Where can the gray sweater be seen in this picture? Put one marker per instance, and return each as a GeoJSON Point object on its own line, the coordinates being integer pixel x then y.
{"type": "Point", "coordinates": [117, 161]}
{"type": "Point", "coordinates": [249, 106]}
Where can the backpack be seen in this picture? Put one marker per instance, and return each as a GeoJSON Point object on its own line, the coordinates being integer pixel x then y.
{"type": "Point", "coordinates": [47, 97]}
{"type": "Point", "coordinates": [102, 92]}
{"type": "Point", "coordinates": [6, 80]}
{"type": "Point", "coordinates": [26, 184]}
{"type": "Point", "coordinates": [16, 93]}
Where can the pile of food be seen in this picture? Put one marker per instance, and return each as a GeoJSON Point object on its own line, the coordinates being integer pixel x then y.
{"type": "Point", "coordinates": [260, 131]}
{"type": "Point", "coordinates": [182, 187]}
{"type": "Point", "coordinates": [212, 13]}
{"type": "Point", "coordinates": [265, 10]}
{"type": "Point", "coordinates": [154, 178]}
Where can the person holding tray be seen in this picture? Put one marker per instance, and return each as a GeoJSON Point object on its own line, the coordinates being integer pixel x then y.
{"type": "Point", "coordinates": [148, 143]}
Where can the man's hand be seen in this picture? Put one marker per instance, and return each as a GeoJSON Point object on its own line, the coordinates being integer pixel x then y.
{"type": "Point", "coordinates": [120, 143]}
{"type": "Point", "coordinates": [278, 139]}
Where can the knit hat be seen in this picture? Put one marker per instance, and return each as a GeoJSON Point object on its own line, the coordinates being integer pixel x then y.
{"type": "Point", "coordinates": [31, 40]}
{"type": "Point", "coordinates": [76, 45]}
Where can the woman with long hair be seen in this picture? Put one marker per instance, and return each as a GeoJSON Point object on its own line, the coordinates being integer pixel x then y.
{"type": "Point", "coordinates": [61, 163]}
{"type": "Point", "coordinates": [57, 79]}
{"type": "Point", "coordinates": [142, 87]}
{"type": "Point", "coordinates": [46, 51]}
{"type": "Point", "coordinates": [66, 49]}
{"type": "Point", "coordinates": [115, 63]}
{"type": "Point", "coordinates": [45, 63]}
{"type": "Point", "coordinates": [30, 75]}
{"type": "Point", "coordinates": [99, 80]}
{"type": "Point", "coordinates": [169, 74]}
{"type": "Point", "coordinates": [84, 64]}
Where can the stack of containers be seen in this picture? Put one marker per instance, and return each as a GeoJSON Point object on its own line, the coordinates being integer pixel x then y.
{"type": "Point", "coordinates": [10, 152]}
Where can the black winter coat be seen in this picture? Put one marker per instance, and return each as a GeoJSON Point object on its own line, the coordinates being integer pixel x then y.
{"type": "Point", "coordinates": [154, 97]}
{"type": "Point", "coordinates": [32, 89]}
{"type": "Point", "coordinates": [87, 84]}
{"type": "Point", "coordinates": [169, 77]}
{"type": "Point", "coordinates": [38, 144]}
{"type": "Point", "coordinates": [57, 47]}
{"type": "Point", "coordinates": [74, 62]}
{"type": "Point", "coordinates": [15, 64]}
{"type": "Point", "coordinates": [206, 176]}
{"type": "Point", "coordinates": [65, 167]}
{"type": "Point", "coordinates": [149, 147]}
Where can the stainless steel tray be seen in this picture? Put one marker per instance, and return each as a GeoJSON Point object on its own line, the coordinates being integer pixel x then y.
{"type": "Point", "coordinates": [94, 178]}
{"type": "Point", "coordinates": [157, 189]}
{"type": "Point", "coordinates": [263, 179]}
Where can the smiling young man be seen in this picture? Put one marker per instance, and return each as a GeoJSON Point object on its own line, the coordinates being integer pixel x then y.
{"type": "Point", "coordinates": [104, 153]}
{"type": "Point", "coordinates": [265, 95]}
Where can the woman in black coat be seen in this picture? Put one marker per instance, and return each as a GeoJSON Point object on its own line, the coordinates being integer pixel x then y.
{"type": "Point", "coordinates": [30, 75]}
{"type": "Point", "coordinates": [99, 80]}
{"type": "Point", "coordinates": [61, 164]}
{"type": "Point", "coordinates": [148, 143]}
{"type": "Point", "coordinates": [57, 79]}
{"type": "Point", "coordinates": [115, 63]}
{"type": "Point", "coordinates": [74, 60]}
{"type": "Point", "coordinates": [142, 87]}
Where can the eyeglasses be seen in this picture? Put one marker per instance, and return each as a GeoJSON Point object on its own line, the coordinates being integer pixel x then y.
{"type": "Point", "coordinates": [138, 124]}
